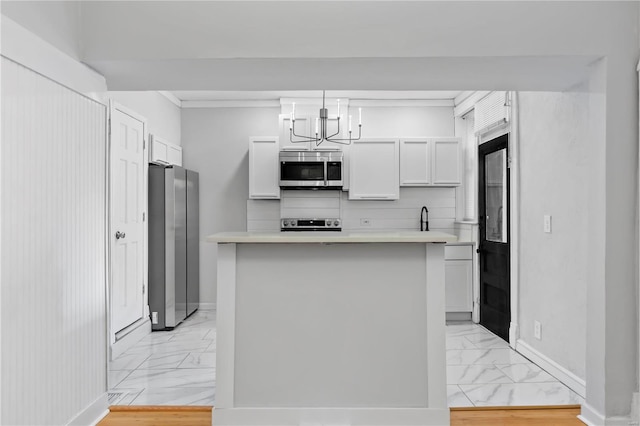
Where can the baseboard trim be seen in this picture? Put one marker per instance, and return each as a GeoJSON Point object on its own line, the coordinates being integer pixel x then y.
{"type": "Point", "coordinates": [130, 339]}
{"type": "Point", "coordinates": [517, 407]}
{"type": "Point", "coordinates": [92, 414]}
{"type": "Point", "coordinates": [205, 306]}
{"type": "Point", "coordinates": [574, 382]}
{"type": "Point", "coordinates": [160, 408]}
{"type": "Point", "coordinates": [591, 417]}
{"type": "Point", "coordinates": [514, 333]}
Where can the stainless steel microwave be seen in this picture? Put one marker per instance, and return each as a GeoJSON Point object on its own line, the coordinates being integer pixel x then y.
{"type": "Point", "coordinates": [311, 169]}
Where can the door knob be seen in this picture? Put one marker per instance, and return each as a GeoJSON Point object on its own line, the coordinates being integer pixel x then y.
{"type": "Point", "coordinates": [120, 235]}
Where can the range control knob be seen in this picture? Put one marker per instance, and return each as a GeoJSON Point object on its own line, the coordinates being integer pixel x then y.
{"type": "Point", "coordinates": [285, 222]}
{"type": "Point", "coordinates": [336, 223]}
{"type": "Point", "coordinates": [293, 223]}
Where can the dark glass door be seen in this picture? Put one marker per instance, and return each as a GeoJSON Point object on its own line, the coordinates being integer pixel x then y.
{"type": "Point", "coordinates": [493, 214]}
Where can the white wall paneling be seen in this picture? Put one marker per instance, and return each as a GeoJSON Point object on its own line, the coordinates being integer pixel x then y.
{"type": "Point", "coordinates": [53, 235]}
{"type": "Point", "coordinates": [404, 213]}
{"type": "Point", "coordinates": [311, 204]}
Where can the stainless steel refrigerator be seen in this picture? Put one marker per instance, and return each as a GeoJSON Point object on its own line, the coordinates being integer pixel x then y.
{"type": "Point", "coordinates": [174, 264]}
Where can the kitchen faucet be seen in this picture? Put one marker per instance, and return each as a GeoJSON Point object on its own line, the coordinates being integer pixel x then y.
{"type": "Point", "coordinates": [424, 219]}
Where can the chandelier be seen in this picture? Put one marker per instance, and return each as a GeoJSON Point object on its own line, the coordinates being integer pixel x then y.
{"type": "Point", "coordinates": [322, 131]}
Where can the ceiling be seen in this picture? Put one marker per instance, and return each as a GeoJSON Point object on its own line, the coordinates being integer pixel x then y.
{"type": "Point", "coordinates": [224, 95]}
{"type": "Point", "coordinates": [261, 49]}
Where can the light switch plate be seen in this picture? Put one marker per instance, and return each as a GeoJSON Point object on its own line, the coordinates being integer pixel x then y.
{"type": "Point", "coordinates": [547, 223]}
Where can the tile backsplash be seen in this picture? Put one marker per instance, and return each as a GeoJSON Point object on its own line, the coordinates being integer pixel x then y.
{"type": "Point", "coordinates": [358, 215]}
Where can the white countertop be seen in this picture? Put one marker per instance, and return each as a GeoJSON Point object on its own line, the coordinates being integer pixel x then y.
{"type": "Point", "coordinates": [332, 237]}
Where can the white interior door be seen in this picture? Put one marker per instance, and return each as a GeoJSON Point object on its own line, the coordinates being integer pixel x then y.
{"type": "Point", "coordinates": [127, 224]}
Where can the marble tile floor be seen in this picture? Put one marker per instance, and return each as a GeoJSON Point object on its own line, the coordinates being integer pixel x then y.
{"type": "Point", "coordinates": [174, 367]}
{"type": "Point", "coordinates": [482, 370]}
{"type": "Point", "coordinates": [178, 368]}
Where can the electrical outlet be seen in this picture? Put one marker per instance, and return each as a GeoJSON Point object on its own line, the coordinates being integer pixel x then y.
{"type": "Point", "coordinates": [537, 330]}
{"type": "Point", "coordinates": [365, 222]}
{"type": "Point", "coordinates": [547, 223]}
{"type": "Point", "coordinates": [154, 317]}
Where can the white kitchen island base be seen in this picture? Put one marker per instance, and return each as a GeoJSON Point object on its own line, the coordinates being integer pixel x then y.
{"type": "Point", "coordinates": [330, 333]}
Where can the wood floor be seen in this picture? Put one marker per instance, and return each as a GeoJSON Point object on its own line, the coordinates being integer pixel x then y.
{"type": "Point", "coordinates": [564, 415]}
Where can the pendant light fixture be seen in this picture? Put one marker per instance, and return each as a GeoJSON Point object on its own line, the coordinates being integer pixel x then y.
{"type": "Point", "coordinates": [322, 128]}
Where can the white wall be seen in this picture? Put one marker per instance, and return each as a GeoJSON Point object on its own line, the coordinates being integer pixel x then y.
{"type": "Point", "coordinates": [405, 122]}
{"type": "Point", "coordinates": [163, 116]}
{"type": "Point", "coordinates": [215, 144]}
{"type": "Point", "coordinates": [553, 266]}
{"type": "Point", "coordinates": [53, 239]}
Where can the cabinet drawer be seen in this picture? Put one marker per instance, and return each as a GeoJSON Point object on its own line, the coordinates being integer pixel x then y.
{"type": "Point", "coordinates": [458, 252]}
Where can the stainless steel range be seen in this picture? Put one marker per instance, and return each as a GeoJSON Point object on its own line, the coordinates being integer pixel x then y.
{"type": "Point", "coordinates": [294, 224]}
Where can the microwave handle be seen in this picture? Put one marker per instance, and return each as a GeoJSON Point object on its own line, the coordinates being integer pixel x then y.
{"type": "Point", "coordinates": [326, 177]}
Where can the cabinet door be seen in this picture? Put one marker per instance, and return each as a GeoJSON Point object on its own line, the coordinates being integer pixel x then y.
{"type": "Point", "coordinates": [159, 152]}
{"type": "Point", "coordinates": [415, 162]}
{"type": "Point", "coordinates": [263, 167]}
{"type": "Point", "coordinates": [175, 155]}
{"type": "Point", "coordinates": [302, 127]}
{"type": "Point", "coordinates": [458, 285]}
{"type": "Point", "coordinates": [446, 161]}
{"type": "Point", "coordinates": [374, 170]}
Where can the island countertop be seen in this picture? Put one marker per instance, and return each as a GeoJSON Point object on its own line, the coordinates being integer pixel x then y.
{"type": "Point", "coordinates": [332, 237]}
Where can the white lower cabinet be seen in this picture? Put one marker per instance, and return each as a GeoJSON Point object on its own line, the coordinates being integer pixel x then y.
{"type": "Point", "coordinates": [374, 169]}
{"type": "Point", "coordinates": [458, 278]}
{"type": "Point", "coordinates": [264, 172]}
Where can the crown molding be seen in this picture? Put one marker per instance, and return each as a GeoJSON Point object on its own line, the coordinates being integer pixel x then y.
{"type": "Point", "coordinates": [172, 98]}
{"type": "Point", "coordinates": [373, 103]}
{"type": "Point", "coordinates": [467, 102]}
{"type": "Point", "coordinates": [231, 104]}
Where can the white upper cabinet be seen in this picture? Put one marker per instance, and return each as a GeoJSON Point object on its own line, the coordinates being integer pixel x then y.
{"type": "Point", "coordinates": [446, 161]}
{"type": "Point", "coordinates": [415, 162]}
{"type": "Point", "coordinates": [263, 168]}
{"type": "Point", "coordinates": [175, 155]}
{"type": "Point", "coordinates": [374, 169]}
{"type": "Point", "coordinates": [430, 162]}
{"type": "Point", "coordinates": [163, 152]}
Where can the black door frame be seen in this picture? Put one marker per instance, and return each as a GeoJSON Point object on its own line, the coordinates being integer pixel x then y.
{"type": "Point", "coordinates": [497, 321]}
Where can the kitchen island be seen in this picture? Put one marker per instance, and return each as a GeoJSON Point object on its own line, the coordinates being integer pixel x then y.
{"type": "Point", "coordinates": [331, 328]}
